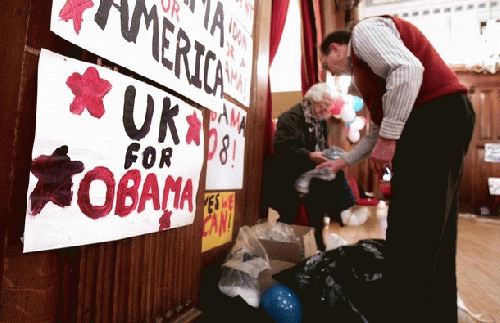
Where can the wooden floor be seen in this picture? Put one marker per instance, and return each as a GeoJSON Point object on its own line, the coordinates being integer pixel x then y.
{"type": "Point", "coordinates": [478, 258]}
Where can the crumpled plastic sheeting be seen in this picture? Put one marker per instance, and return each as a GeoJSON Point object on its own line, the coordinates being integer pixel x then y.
{"type": "Point", "coordinates": [333, 152]}
{"type": "Point", "coordinates": [333, 241]}
{"type": "Point", "coordinates": [237, 283]}
{"type": "Point", "coordinates": [248, 254]}
{"type": "Point", "coordinates": [341, 283]}
{"type": "Point", "coordinates": [242, 267]}
{"type": "Point", "coordinates": [466, 316]}
{"type": "Point", "coordinates": [355, 216]}
{"type": "Point", "coordinates": [303, 182]}
{"type": "Point", "coordinates": [275, 232]}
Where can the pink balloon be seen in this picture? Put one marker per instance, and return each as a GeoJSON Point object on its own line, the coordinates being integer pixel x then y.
{"type": "Point", "coordinates": [336, 106]}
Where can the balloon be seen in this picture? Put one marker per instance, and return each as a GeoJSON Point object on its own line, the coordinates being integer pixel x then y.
{"type": "Point", "coordinates": [357, 103]}
{"type": "Point", "coordinates": [353, 136]}
{"type": "Point", "coordinates": [344, 107]}
{"type": "Point", "coordinates": [281, 302]}
{"type": "Point", "coordinates": [347, 114]}
{"type": "Point", "coordinates": [337, 105]}
{"type": "Point", "coordinates": [358, 123]}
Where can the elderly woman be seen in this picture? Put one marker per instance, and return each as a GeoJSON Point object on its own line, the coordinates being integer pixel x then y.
{"type": "Point", "coordinates": [300, 137]}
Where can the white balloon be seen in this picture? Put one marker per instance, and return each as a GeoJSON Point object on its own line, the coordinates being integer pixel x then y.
{"type": "Point", "coordinates": [353, 135]}
{"type": "Point", "coordinates": [347, 114]}
{"type": "Point", "coordinates": [358, 123]}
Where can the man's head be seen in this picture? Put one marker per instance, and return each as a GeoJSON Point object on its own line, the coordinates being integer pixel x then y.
{"type": "Point", "coordinates": [335, 49]}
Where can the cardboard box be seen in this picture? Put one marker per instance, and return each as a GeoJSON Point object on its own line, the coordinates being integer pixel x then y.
{"type": "Point", "coordinates": [266, 276]}
{"type": "Point", "coordinates": [295, 251]}
{"type": "Point", "coordinates": [284, 255]}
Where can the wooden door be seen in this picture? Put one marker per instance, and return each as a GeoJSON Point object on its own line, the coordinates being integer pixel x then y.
{"type": "Point", "coordinates": [485, 97]}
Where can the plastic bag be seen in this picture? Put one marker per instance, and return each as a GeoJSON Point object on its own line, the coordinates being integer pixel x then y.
{"type": "Point", "coordinates": [466, 316]}
{"type": "Point", "coordinates": [344, 282]}
{"type": "Point", "coordinates": [237, 283]}
{"type": "Point", "coordinates": [333, 152]}
{"type": "Point", "coordinates": [247, 255]}
{"type": "Point", "coordinates": [355, 216]}
{"type": "Point", "coordinates": [303, 182]}
{"type": "Point", "coordinates": [333, 241]}
{"type": "Point", "coordinates": [275, 232]}
{"type": "Point", "coordinates": [242, 267]}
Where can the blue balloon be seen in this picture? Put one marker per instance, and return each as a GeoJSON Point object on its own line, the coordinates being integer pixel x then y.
{"type": "Point", "coordinates": [357, 103]}
{"type": "Point", "coordinates": [281, 302]}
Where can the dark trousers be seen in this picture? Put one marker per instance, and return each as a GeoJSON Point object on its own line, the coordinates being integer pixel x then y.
{"type": "Point", "coordinates": [324, 198]}
{"type": "Point", "coordinates": [422, 220]}
{"type": "Point", "coordinates": [327, 198]}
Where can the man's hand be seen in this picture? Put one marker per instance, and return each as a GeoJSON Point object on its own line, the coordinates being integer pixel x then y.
{"type": "Point", "coordinates": [317, 157]}
{"type": "Point", "coordinates": [382, 155]}
{"type": "Point", "coordinates": [333, 165]}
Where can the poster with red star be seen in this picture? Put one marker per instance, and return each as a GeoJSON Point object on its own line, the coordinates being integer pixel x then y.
{"type": "Point", "coordinates": [226, 148]}
{"type": "Point", "coordinates": [112, 158]}
{"type": "Point", "coordinates": [179, 44]}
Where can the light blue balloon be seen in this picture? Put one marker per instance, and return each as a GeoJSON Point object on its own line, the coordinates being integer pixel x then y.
{"type": "Point", "coordinates": [281, 302]}
{"type": "Point", "coordinates": [357, 103]}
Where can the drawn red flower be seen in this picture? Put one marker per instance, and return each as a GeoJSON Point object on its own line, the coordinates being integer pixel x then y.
{"type": "Point", "coordinates": [165, 220]}
{"type": "Point", "coordinates": [89, 90]}
{"type": "Point", "coordinates": [73, 9]}
{"type": "Point", "coordinates": [194, 129]}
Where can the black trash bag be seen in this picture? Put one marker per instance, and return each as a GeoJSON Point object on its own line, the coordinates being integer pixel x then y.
{"type": "Point", "coordinates": [344, 283]}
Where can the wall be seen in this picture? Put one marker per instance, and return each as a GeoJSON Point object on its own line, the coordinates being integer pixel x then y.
{"type": "Point", "coordinates": [485, 96]}
{"type": "Point", "coordinates": [282, 101]}
{"type": "Point", "coordinates": [146, 278]}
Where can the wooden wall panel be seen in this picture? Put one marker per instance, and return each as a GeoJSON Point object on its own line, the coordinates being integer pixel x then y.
{"type": "Point", "coordinates": [13, 28]}
{"type": "Point", "coordinates": [145, 278]}
{"type": "Point", "coordinates": [256, 139]}
{"type": "Point", "coordinates": [30, 287]}
{"type": "Point", "coordinates": [139, 279]}
{"type": "Point", "coordinates": [248, 208]}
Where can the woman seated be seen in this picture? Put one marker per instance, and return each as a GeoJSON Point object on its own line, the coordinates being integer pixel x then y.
{"type": "Point", "coordinates": [299, 141]}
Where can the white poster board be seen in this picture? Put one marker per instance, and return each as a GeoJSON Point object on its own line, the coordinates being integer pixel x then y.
{"type": "Point", "coordinates": [238, 65]}
{"type": "Point", "coordinates": [492, 152]}
{"type": "Point", "coordinates": [494, 185]}
{"type": "Point", "coordinates": [112, 157]}
{"type": "Point", "coordinates": [226, 148]}
{"type": "Point", "coordinates": [244, 10]}
{"type": "Point", "coordinates": [179, 44]}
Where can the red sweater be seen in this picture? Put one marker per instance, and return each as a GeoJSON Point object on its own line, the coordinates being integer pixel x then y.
{"type": "Point", "coordinates": [438, 79]}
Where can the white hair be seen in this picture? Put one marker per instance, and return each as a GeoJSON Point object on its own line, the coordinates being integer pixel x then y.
{"type": "Point", "coordinates": [318, 92]}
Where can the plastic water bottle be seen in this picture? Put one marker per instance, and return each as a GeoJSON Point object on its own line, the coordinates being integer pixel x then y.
{"type": "Point", "coordinates": [382, 209]}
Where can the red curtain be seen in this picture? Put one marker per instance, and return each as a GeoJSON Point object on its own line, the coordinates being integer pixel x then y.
{"type": "Point", "coordinates": [311, 29]}
{"type": "Point", "coordinates": [278, 19]}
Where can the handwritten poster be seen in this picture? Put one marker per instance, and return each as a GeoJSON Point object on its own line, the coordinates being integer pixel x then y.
{"type": "Point", "coordinates": [179, 44]}
{"type": "Point", "coordinates": [244, 10]}
{"type": "Point", "coordinates": [226, 148]}
{"type": "Point", "coordinates": [238, 65]}
{"type": "Point", "coordinates": [112, 157]}
{"type": "Point", "coordinates": [218, 219]}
